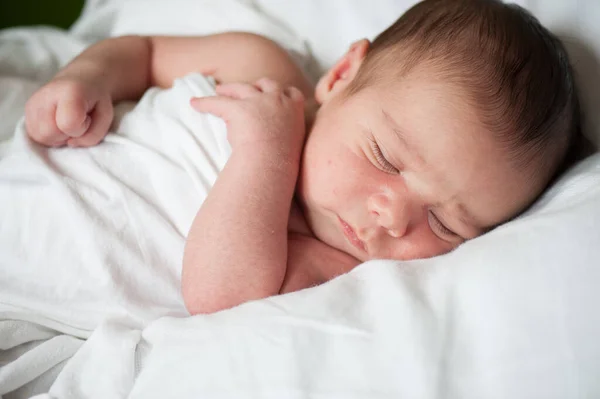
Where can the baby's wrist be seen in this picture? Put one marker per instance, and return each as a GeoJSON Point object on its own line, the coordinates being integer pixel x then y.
{"type": "Point", "coordinates": [270, 154]}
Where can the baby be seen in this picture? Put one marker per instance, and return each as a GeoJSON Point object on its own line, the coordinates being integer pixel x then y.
{"type": "Point", "coordinates": [451, 122]}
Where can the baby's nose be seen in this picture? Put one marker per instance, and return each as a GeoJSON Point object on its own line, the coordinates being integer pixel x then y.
{"type": "Point", "coordinates": [391, 214]}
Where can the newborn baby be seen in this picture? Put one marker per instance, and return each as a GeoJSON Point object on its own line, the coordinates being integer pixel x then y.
{"type": "Point", "coordinates": [451, 122]}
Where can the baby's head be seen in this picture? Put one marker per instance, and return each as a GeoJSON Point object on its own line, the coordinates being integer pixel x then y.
{"type": "Point", "coordinates": [451, 122]}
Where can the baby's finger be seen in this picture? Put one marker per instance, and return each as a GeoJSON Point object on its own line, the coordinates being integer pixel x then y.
{"type": "Point", "coordinates": [101, 118]}
{"type": "Point", "coordinates": [72, 117]}
{"type": "Point", "coordinates": [236, 90]}
{"type": "Point", "coordinates": [294, 93]}
{"type": "Point", "coordinates": [267, 85]}
{"type": "Point", "coordinates": [215, 105]}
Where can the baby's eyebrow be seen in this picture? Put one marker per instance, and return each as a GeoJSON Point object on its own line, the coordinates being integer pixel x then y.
{"type": "Point", "coordinates": [467, 218]}
{"type": "Point", "coordinates": [394, 127]}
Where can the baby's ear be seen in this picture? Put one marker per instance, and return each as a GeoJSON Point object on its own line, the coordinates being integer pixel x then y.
{"type": "Point", "coordinates": [343, 72]}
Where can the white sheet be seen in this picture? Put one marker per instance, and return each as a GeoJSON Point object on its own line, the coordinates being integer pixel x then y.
{"type": "Point", "coordinates": [510, 314]}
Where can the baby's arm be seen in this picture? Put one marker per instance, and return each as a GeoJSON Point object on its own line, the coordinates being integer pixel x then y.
{"type": "Point", "coordinates": [128, 65]}
{"type": "Point", "coordinates": [75, 107]}
{"type": "Point", "coordinates": [237, 246]}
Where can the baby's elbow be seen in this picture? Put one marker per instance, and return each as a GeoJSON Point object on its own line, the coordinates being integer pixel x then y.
{"type": "Point", "coordinates": [203, 300]}
{"type": "Point", "coordinates": [196, 307]}
{"type": "Point", "coordinates": [195, 304]}
{"type": "Point", "coordinates": [190, 302]}
{"type": "Point", "coordinates": [198, 301]}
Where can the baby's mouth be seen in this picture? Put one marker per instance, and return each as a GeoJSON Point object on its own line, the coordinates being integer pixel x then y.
{"type": "Point", "coordinates": [351, 236]}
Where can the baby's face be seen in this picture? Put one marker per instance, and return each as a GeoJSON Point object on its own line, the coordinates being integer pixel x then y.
{"type": "Point", "coordinates": [405, 172]}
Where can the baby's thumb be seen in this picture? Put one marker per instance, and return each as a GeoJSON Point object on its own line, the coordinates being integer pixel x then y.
{"type": "Point", "coordinates": [217, 106]}
{"type": "Point", "coordinates": [72, 118]}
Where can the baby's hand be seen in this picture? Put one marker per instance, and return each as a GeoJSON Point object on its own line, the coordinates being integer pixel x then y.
{"type": "Point", "coordinates": [263, 116]}
{"type": "Point", "coordinates": [69, 111]}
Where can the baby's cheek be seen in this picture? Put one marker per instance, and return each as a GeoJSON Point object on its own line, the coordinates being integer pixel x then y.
{"type": "Point", "coordinates": [420, 243]}
{"type": "Point", "coordinates": [336, 177]}
{"type": "Point", "coordinates": [310, 180]}
{"type": "Point", "coordinates": [329, 174]}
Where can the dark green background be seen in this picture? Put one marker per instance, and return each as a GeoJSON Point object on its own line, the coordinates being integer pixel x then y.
{"type": "Point", "coordinates": [61, 13]}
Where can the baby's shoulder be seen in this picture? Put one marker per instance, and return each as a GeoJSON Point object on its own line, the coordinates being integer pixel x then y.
{"type": "Point", "coordinates": [247, 57]}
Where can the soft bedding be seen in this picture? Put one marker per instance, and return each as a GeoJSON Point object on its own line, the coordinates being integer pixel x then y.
{"type": "Point", "coordinates": [510, 314]}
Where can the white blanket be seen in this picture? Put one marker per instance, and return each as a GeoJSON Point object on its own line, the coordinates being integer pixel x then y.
{"type": "Point", "coordinates": [510, 314]}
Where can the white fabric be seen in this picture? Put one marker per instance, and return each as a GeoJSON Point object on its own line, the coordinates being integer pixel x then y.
{"type": "Point", "coordinates": [510, 314]}
{"type": "Point", "coordinates": [94, 233]}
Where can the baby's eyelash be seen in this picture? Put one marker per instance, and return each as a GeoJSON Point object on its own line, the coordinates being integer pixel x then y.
{"type": "Point", "coordinates": [384, 163]}
{"type": "Point", "coordinates": [439, 226]}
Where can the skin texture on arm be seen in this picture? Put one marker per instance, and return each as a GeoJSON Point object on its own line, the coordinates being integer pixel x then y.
{"type": "Point", "coordinates": [231, 57]}
{"type": "Point", "coordinates": [237, 246]}
{"type": "Point", "coordinates": [128, 65]}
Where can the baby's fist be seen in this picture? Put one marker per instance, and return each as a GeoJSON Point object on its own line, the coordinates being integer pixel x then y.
{"type": "Point", "coordinates": [68, 111]}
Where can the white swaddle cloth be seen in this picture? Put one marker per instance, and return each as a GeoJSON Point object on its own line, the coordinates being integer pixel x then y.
{"type": "Point", "coordinates": [91, 232]}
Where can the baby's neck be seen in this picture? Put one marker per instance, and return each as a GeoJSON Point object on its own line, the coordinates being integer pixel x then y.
{"type": "Point", "coordinates": [297, 222]}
